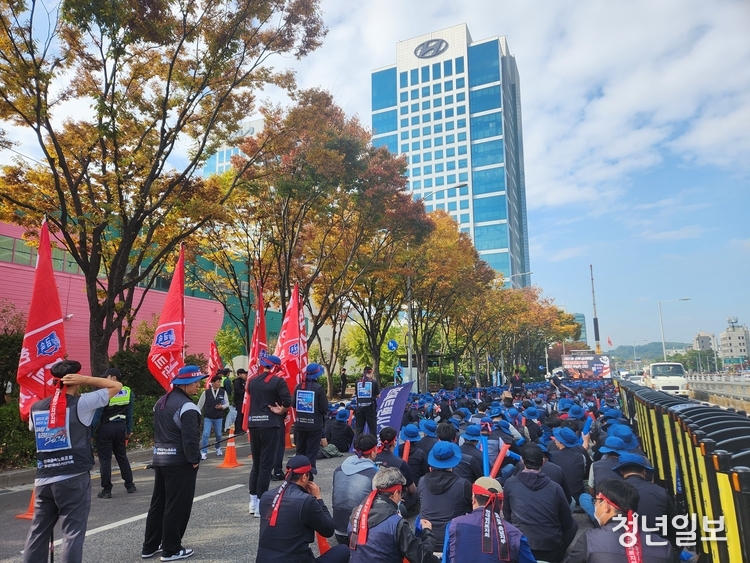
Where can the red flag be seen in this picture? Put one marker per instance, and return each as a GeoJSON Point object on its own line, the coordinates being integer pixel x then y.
{"type": "Point", "coordinates": [214, 362]}
{"type": "Point", "coordinates": [609, 341]}
{"type": "Point", "coordinates": [291, 348]}
{"type": "Point", "coordinates": [44, 340]}
{"type": "Point", "coordinates": [165, 358]}
{"type": "Point", "coordinates": [258, 349]}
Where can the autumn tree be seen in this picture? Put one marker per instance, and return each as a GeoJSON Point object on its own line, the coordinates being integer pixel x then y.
{"type": "Point", "coordinates": [125, 100]}
{"type": "Point", "coordinates": [446, 268]}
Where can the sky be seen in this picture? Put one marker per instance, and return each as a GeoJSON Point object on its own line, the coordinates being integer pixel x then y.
{"type": "Point", "coordinates": [636, 125]}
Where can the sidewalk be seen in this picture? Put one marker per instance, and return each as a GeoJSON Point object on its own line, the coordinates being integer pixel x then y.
{"type": "Point", "coordinates": [19, 477]}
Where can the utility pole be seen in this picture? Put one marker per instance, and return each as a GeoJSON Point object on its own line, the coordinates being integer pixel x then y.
{"type": "Point", "coordinates": [596, 320]}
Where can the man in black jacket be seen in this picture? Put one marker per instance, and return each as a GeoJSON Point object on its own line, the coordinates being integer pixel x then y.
{"type": "Point", "coordinates": [311, 406]}
{"type": "Point", "coordinates": [367, 391]}
{"type": "Point", "coordinates": [616, 501]}
{"type": "Point", "coordinates": [551, 470]}
{"type": "Point", "coordinates": [292, 514]}
{"type": "Point", "coordinates": [443, 495]}
{"type": "Point", "coordinates": [339, 432]}
{"type": "Point", "coordinates": [269, 401]}
{"type": "Point", "coordinates": [176, 459]}
{"type": "Point", "coordinates": [379, 533]}
{"type": "Point", "coordinates": [536, 505]}
{"type": "Point", "coordinates": [238, 396]}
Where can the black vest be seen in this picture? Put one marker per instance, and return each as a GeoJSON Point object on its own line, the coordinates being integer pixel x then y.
{"type": "Point", "coordinates": [209, 405]}
{"type": "Point", "coordinates": [63, 450]}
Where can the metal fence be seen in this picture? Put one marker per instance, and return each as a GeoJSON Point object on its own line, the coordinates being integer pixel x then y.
{"type": "Point", "coordinates": [734, 386]}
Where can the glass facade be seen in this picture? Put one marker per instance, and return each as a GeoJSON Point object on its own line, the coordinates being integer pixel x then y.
{"type": "Point", "coordinates": [457, 119]}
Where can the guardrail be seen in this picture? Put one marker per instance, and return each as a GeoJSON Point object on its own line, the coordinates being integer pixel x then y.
{"type": "Point", "coordinates": [733, 386]}
{"type": "Point", "coordinates": [701, 454]}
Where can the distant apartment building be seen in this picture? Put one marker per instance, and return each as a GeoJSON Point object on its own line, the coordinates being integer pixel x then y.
{"type": "Point", "coordinates": [734, 343]}
{"type": "Point", "coordinates": [221, 160]}
{"type": "Point", "coordinates": [704, 341]}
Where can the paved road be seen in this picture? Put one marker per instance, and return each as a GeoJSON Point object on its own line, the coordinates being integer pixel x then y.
{"type": "Point", "coordinates": [220, 529]}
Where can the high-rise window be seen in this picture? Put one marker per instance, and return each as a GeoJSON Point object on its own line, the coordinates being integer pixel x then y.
{"type": "Point", "coordinates": [384, 89]}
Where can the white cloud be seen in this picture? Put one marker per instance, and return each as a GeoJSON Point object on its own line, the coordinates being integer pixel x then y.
{"type": "Point", "coordinates": [687, 232]}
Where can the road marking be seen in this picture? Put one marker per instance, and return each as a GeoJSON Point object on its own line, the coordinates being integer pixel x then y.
{"type": "Point", "coordinates": [143, 516]}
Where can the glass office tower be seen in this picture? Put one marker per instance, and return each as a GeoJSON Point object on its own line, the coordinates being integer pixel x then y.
{"type": "Point", "coordinates": [453, 107]}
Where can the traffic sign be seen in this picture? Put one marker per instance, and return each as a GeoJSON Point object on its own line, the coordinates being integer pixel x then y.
{"type": "Point", "coordinates": [392, 345]}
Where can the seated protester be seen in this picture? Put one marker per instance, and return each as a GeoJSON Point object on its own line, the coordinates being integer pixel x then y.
{"type": "Point", "coordinates": [572, 458]}
{"type": "Point", "coordinates": [536, 505]}
{"type": "Point", "coordinates": [292, 514]}
{"type": "Point", "coordinates": [352, 482]}
{"type": "Point", "coordinates": [470, 447]}
{"type": "Point", "coordinates": [551, 470]}
{"type": "Point", "coordinates": [531, 418]}
{"type": "Point", "coordinates": [417, 457]}
{"type": "Point", "coordinates": [600, 470]}
{"type": "Point", "coordinates": [470, 467]}
{"type": "Point", "coordinates": [513, 416]}
{"type": "Point", "coordinates": [338, 432]}
{"type": "Point", "coordinates": [480, 414]}
{"type": "Point", "coordinates": [653, 500]}
{"type": "Point", "coordinates": [576, 418]}
{"type": "Point", "coordinates": [443, 495]}
{"type": "Point", "coordinates": [386, 458]}
{"type": "Point", "coordinates": [429, 439]}
{"type": "Point", "coordinates": [379, 533]}
{"type": "Point", "coordinates": [615, 503]}
{"type": "Point", "coordinates": [483, 536]}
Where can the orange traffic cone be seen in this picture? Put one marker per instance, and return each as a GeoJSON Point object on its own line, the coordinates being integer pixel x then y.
{"type": "Point", "coordinates": [29, 514]}
{"type": "Point", "coordinates": [230, 457]}
{"type": "Point", "coordinates": [323, 544]}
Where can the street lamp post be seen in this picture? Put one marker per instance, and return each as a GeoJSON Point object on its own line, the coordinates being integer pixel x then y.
{"type": "Point", "coordinates": [661, 324]}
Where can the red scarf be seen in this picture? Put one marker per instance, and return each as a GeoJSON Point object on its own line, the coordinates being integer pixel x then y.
{"type": "Point", "coordinates": [359, 521]}
{"type": "Point", "coordinates": [276, 503]}
{"type": "Point", "coordinates": [58, 407]}
{"type": "Point", "coordinates": [633, 553]}
{"type": "Point", "coordinates": [490, 514]}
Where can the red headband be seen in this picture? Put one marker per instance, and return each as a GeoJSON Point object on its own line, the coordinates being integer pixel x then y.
{"type": "Point", "coordinates": [490, 514]}
{"type": "Point", "coordinates": [276, 502]}
{"type": "Point", "coordinates": [634, 552]}
{"type": "Point", "coordinates": [359, 521]}
{"type": "Point", "coordinates": [301, 470]}
{"type": "Point", "coordinates": [368, 452]}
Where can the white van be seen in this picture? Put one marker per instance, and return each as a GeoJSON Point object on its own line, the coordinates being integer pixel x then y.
{"type": "Point", "coordinates": [668, 377]}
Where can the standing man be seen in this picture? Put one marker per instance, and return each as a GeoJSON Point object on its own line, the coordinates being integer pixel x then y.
{"type": "Point", "coordinates": [115, 426]}
{"type": "Point", "coordinates": [62, 428]}
{"type": "Point", "coordinates": [367, 392]}
{"type": "Point", "coordinates": [176, 459]}
{"type": "Point", "coordinates": [311, 404]}
{"type": "Point", "coordinates": [239, 398]}
{"type": "Point", "coordinates": [517, 386]}
{"type": "Point", "coordinates": [269, 401]}
{"type": "Point", "coordinates": [344, 382]}
{"type": "Point", "coordinates": [212, 404]}
{"type": "Point", "coordinates": [293, 513]}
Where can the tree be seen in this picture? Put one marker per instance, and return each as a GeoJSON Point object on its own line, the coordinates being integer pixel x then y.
{"type": "Point", "coordinates": [156, 87]}
{"type": "Point", "coordinates": [446, 267]}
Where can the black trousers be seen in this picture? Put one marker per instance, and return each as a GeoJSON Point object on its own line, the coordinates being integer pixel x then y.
{"type": "Point", "coordinates": [344, 383]}
{"type": "Point", "coordinates": [238, 421]}
{"type": "Point", "coordinates": [370, 416]}
{"type": "Point", "coordinates": [110, 438]}
{"type": "Point", "coordinates": [171, 503]}
{"type": "Point", "coordinates": [263, 445]}
{"type": "Point", "coordinates": [278, 461]}
{"type": "Point", "coordinates": [308, 443]}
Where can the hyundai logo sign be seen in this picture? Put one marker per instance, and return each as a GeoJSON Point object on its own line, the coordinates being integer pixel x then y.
{"type": "Point", "coordinates": [431, 48]}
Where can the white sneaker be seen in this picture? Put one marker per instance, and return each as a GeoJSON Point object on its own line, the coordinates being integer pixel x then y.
{"type": "Point", "coordinates": [203, 456]}
{"type": "Point", "coordinates": [253, 504]}
{"type": "Point", "coordinates": [219, 452]}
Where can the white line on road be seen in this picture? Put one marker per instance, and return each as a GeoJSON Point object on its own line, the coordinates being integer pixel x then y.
{"type": "Point", "coordinates": [143, 516]}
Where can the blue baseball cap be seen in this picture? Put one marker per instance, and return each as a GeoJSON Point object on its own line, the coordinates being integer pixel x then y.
{"type": "Point", "coordinates": [188, 374]}
{"type": "Point", "coordinates": [444, 455]}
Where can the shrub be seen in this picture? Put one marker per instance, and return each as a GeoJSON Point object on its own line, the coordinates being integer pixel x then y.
{"type": "Point", "coordinates": [17, 447]}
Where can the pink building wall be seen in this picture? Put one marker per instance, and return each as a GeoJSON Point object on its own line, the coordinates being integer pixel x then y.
{"type": "Point", "coordinates": [203, 317]}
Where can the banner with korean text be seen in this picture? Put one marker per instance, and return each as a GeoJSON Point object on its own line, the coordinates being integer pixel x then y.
{"type": "Point", "coordinates": [391, 404]}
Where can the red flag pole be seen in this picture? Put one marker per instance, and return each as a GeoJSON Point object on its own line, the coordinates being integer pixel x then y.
{"type": "Point", "coordinates": [168, 347]}
{"type": "Point", "coordinates": [258, 348]}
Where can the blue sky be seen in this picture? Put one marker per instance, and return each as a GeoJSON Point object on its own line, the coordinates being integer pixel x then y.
{"type": "Point", "coordinates": [636, 120]}
{"type": "Point", "coordinates": [637, 144]}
